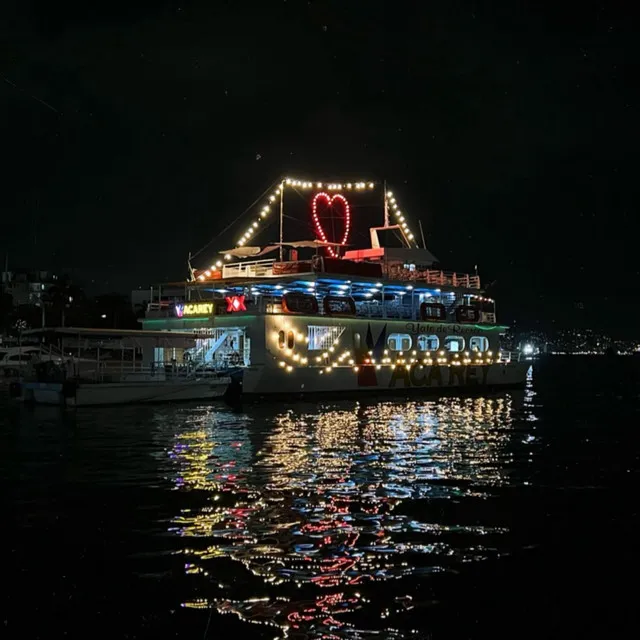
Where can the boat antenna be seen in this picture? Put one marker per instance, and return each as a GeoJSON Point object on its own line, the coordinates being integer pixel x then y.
{"type": "Point", "coordinates": [282, 221]}
{"type": "Point", "coordinates": [386, 205]}
{"type": "Point", "coordinates": [191, 271]}
{"type": "Point", "coordinates": [424, 244]}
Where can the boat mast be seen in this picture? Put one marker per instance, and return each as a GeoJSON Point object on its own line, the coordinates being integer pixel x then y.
{"type": "Point", "coordinates": [386, 205]}
{"type": "Point", "coordinates": [281, 221]}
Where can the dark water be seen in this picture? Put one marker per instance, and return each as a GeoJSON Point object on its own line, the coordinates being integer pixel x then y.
{"type": "Point", "coordinates": [512, 515]}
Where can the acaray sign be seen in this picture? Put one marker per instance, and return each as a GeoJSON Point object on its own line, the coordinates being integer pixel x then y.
{"type": "Point", "coordinates": [436, 376]}
{"type": "Point", "coordinates": [200, 309]}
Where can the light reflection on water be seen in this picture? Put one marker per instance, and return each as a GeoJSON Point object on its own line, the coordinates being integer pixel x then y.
{"type": "Point", "coordinates": [320, 502]}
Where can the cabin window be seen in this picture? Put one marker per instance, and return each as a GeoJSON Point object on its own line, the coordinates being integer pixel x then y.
{"type": "Point", "coordinates": [20, 357]}
{"type": "Point", "coordinates": [323, 337]}
{"type": "Point", "coordinates": [291, 339]}
{"type": "Point", "coordinates": [454, 344]}
{"type": "Point", "coordinates": [428, 343]}
{"type": "Point", "coordinates": [399, 342]}
{"type": "Point", "coordinates": [479, 343]}
{"type": "Point", "coordinates": [281, 339]}
{"type": "Point", "coordinates": [356, 341]}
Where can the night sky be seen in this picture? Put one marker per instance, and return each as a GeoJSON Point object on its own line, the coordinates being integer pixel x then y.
{"type": "Point", "coordinates": [134, 132]}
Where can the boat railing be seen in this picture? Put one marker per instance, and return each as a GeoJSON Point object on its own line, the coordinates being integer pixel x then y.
{"type": "Point", "coordinates": [506, 357]}
{"type": "Point", "coordinates": [434, 277]}
{"type": "Point", "coordinates": [252, 269]}
{"type": "Point", "coordinates": [136, 371]}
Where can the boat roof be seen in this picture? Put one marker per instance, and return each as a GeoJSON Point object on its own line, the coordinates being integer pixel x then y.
{"type": "Point", "coordinates": [87, 332]}
{"type": "Point", "coordinates": [302, 282]}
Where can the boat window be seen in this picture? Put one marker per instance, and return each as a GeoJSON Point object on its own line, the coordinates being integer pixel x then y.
{"type": "Point", "coordinates": [20, 357]}
{"type": "Point", "coordinates": [356, 341]}
{"type": "Point", "coordinates": [399, 341]}
{"type": "Point", "coordinates": [479, 343]}
{"type": "Point", "coordinates": [291, 340]}
{"type": "Point", "coordinates": [323, 337]}
{"type": "Point", "coordinates": [428, 343]}
{"type": "Point", "coordinates": [281, 339]}
{"type": "Point", "coordinates": [454, 343]}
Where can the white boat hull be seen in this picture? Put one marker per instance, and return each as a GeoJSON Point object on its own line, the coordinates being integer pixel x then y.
{"type": "Point", "coordinates": [119, 393]}
{"type": "Point", "coordinates": [269, 380]}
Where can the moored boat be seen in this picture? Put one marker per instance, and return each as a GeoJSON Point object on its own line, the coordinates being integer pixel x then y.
{"type": "Point", "coordinates": [128, 379]}
{"type": "Point", "coordinates": [382, 318]}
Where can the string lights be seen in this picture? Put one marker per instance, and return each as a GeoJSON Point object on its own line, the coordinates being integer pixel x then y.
{"type": "Point", "coordinates": [334, 357]}
{"type": "Point", "coordinates": [272, 203]}
{"type": "Point", "coordinates": [391, 201]}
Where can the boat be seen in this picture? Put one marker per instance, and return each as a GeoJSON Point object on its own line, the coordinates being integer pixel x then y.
{"type": "Point", "coordinates": [322, 316]}
{"type": "Point", "coordinates": [105, 380]}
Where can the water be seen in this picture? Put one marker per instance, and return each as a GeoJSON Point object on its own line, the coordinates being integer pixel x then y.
{"type": "Point", "coordinates": [513, 515]}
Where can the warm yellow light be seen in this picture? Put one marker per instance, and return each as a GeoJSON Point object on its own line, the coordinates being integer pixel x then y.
{"type": "Point", "coordinates": [289, 369]}
{"type": "Point", "coordinates": [371, 185]}
{"type": "Point", "coordinates": [282, 364]}
{"type": "Point", "coordinates": [356, 369]}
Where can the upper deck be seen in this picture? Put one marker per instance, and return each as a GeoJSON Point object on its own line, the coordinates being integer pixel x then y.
{"type": "Point", "coordinates": [268, 286]}
{"type": "Point", "coordinates": [332, 274]}
{"type": "Point", "coordinates": [259, 269]}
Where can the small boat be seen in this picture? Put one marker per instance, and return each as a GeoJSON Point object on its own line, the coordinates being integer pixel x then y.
{"type": "Point", "coordinates": [105, 381]}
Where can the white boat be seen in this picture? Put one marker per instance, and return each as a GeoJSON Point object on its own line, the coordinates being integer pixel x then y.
{"type": "Point", "coordinates": [379, 319]}
{"type": "Point", "coordinates": [126, 380]}
{"type": "Point", "coordinates": [84, 394]}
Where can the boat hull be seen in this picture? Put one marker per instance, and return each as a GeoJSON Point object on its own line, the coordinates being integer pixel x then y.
{"type": "Point", "coordinates": [267, 380]}
{"type": "Point", "coordinates": [121, 393]}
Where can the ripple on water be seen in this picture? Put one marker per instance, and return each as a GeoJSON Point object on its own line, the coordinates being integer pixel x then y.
{"type": "Point", "coordinates": [320, 505]}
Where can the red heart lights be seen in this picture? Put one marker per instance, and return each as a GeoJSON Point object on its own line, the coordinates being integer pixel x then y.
{"type": "Point", "coordinates": [316, 220]}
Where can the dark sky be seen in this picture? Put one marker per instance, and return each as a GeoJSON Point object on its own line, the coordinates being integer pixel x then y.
{"type": "Point", "coordinates": [133, 132]}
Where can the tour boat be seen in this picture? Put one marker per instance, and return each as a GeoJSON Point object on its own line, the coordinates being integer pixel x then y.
{"type": "Point", "coordinates": [324, 316]}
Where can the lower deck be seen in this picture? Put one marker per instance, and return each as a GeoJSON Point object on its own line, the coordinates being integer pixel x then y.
{"type": "Point", "coordinates": [287, 353]}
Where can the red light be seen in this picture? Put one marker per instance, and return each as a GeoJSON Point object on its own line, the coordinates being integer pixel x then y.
{"type": "Point", "coordinates": [235, 303]}
{"type": "Point", "coordinates": [347, 217]}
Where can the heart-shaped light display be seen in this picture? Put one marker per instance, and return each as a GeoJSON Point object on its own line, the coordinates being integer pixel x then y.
{"type": "Point", "coordinates": [330, 200]}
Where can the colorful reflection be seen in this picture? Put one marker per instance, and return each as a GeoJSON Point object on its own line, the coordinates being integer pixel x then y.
{"type": "Point", "coordinates": [320, 505]}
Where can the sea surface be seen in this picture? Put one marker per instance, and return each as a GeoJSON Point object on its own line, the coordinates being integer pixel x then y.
{"type": "Point", "coordinates": [500, 516]}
